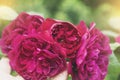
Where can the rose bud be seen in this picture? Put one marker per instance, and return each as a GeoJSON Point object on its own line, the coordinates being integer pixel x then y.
{"type": "Point", "coordinates": [65, 34]}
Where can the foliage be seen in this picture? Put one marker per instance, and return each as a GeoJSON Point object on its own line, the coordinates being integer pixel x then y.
{"type": "Point", "coordinates": [114, 65]}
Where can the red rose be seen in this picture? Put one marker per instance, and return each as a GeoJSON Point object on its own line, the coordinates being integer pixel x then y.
{"type": "Point", "coordinates": [63, 33]}
{"type": "Point", "coordinates": [91, 61]}
{"type": "Point", "coordinates": [22, 25]}
{"type": "Point", "coordinates": [35, 58]}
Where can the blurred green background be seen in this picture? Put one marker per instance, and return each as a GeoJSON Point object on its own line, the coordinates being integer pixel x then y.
{"type": "Point", "coordinates": [98, 11]}
{"type": "Point", "coordinates": [105, 13]}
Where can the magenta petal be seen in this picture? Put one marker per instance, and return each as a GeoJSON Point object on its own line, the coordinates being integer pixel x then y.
{"type": "Point", "coordinates": [31, 66]}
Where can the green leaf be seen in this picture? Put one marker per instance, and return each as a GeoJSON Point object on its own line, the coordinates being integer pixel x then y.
{"type": "Point", "coordinates": [2, 55]}
{"type": "Point", "coordinates": [14, 73]}
{"type": "Point", "coordinates": [114, 64]}
{"type": "Point", "coordinates": [69, 77]}
{"type": "Point", "coordinates": [113, 68]}
{"type": "Point", "coordinates": [114, 45]}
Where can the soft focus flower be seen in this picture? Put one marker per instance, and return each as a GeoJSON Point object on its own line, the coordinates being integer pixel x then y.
{"type": "Point", "coordinates": [22, 25]}
{"type": "Point", "coordinates": [92, 58]}
{"type": "Point", "coordinates": [117, 39]}
{"type": "Point", "coordinates": [63, 33]}
{"type": "Point", "coordinates": [35, 58]}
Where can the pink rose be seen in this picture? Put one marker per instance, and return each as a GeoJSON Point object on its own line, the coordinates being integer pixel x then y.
{"type": "Point", "coordinates": [92, 57]}
{"type": "Point", "coordinates": [117, 39]}
{"type": "Point", "coordinates": [35, 58]}
{"type": "Point", "coordinates": [22, 25]}
{"type": "Point", "coordinates": [65, 34]}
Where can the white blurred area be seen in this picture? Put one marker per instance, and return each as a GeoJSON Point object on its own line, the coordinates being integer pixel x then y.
{"type": "Point", "coordinates": [114, 22]}
{"type": "Point", "coordinates": [61, 76]}
{"type": "Point", "coordinates": [5, 70]}
{"type": "Point", "coordinates": [7, 13]}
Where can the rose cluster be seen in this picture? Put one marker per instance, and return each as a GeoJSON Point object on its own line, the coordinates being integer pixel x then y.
{"type": "Point", "coordinates": [40, 49]}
